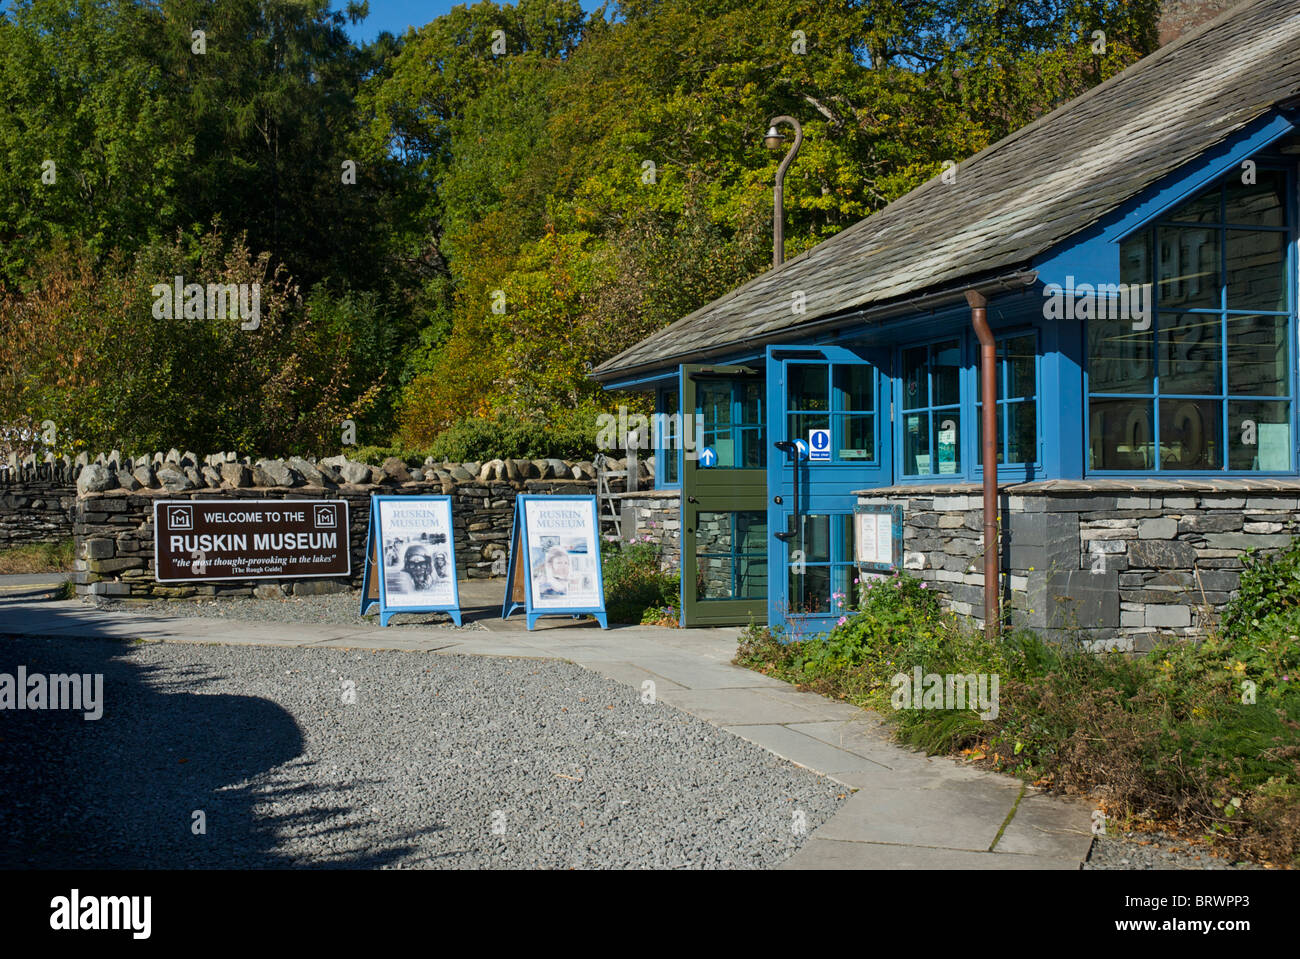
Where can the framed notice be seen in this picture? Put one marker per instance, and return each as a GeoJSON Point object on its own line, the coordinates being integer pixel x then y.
{"type": "Point", "coordinates": [555, 558]}
{"type": "Point", "coordinates": [878, 537]}
{"type": "Point", "coordinates": [225, 539]}
{"type": "Point", "coordinates": [411, 557]}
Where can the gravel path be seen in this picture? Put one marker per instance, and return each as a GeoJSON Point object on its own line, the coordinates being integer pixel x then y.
{"type": "Point", "coordinates": [335, 609]}
{"type": "Point", "coordinates": [443, 761]}
{"type": "Point", "coordinates": [1155, 850]}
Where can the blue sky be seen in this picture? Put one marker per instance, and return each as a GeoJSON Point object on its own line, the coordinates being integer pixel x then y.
{"type": "Point", "coordinates": [396, 15]}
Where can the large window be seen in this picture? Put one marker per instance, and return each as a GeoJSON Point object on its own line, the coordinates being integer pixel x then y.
{"type": "Point", "coordinates": [1017, 393]}
{"type": "Point", "coordinates": [1200, 380]}
{"type": "Point", "coordinates": [827, 567]}
{"type": "Point", "coordinates": [931, 409]}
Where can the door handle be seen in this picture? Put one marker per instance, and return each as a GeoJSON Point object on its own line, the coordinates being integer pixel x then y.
{"type": "Point", "coordinates": [691, 499]}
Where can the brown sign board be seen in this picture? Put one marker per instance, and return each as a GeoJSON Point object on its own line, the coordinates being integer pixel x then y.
{"type": "Point", "coordinates": [222, 539]}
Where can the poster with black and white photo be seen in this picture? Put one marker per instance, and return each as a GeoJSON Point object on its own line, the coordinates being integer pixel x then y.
{"type": "Point", "coordinates": [415, 550]}
{"type": "Point", "coordinates": [563, 553]}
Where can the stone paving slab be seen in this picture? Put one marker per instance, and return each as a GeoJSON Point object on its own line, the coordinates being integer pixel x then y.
{"type": "Point", "coordinates": [819, 853]}
{"type": "Point", "coordinates": [952, 816]}
{"type": "Point", "coordinates": [1049, 825]}
{"type": "Point", "coordinates": [803, 750]}
{"type": "Point", "coordinates": [735, 707]}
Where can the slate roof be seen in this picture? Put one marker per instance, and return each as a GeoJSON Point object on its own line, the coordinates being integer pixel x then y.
{"type": "Point", "coordinates": [1020, 196]}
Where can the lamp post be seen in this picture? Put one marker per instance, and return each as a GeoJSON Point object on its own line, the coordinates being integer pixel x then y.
{"type": "Point", "coordinates": [773, 141]}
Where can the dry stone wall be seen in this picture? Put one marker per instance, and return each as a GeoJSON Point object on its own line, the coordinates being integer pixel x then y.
{"type": "Point", "coordinates": [37, 502]}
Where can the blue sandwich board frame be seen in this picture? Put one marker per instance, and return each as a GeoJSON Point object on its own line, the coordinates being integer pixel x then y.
{"type": "Point", "coordinates": [519, 572]}
{"type": "Point", "coordinates": [375, 567]}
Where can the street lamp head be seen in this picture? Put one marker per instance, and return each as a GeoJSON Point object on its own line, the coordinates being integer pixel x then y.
{"type": "Point", "coordinates": [774, 139]}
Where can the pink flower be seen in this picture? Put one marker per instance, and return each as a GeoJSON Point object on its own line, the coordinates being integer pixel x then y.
{"type": "Point", "coordinates": [923, 585]}
{"type": "Point", "coordinates": [842, 620]}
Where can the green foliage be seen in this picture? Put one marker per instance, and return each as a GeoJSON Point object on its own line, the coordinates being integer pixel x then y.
{"type": "Point", "coordinates": [637, 589]}
{"type": "Point", "coordinates": [37, 558]}
{"type": "Point", "coordinates": [483, 439]}
{"type": "Point", "coordinates": [1203, 735]}
{"type": "Point", "coordinates": [1270, 586]}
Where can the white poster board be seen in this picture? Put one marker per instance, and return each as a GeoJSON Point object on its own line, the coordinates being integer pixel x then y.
{"type": "Point", "coordinates": [563, 554]}
{"type": "Point", "coordinates": [415, 550]}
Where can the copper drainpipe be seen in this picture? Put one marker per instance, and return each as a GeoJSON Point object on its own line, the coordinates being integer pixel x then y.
{"type": "Point", "coordinates": [989, 455]}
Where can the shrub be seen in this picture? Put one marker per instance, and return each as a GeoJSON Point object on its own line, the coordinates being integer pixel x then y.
{"type": "Point", "coordinates": [1269, 585]}
{"type": "Point", "coordinates": [485, 439]}
{"type": "Point", "coordinates": [637, 589]}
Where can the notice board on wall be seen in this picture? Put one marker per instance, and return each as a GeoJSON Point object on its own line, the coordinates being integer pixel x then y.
{"type": "Point", "coordinates": [878, 537]}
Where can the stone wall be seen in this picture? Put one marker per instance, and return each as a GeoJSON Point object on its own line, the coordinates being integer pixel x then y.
{"type": "Point", "coordinates": [113, 523]}
{"type": "Point", "coordinates": [37, 502]}
{"type": "Point", "coordinates": [657, 514]}
{"type": "Point", "coordinates": [1121, 562]}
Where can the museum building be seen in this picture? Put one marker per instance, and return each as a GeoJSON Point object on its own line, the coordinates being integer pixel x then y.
{"type": "Point", "coordinates": [1128, 265]}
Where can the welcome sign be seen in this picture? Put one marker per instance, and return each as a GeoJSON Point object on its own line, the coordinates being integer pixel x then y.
{"type": "Point", "coordinates": [555, 558]}
{"type": "Point", "coordinates": [223, 539]}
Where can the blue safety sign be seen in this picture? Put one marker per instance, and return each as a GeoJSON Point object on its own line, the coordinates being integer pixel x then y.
{"type": "Point", "coordinates": [708, 457]}
{"type": "Point", "coordinates": [819, 444]}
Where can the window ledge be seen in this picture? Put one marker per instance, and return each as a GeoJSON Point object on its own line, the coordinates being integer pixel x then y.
{"type": "Point", "coordinates": [1260, 484]}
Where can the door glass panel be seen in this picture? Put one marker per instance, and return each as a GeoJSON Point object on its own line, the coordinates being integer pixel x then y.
{"type": "Point", "coordinates": [853, 388]}
{"type": "Point", "coordinates": [807, 386]}
{"type": "Point", "coordinates": [801, 423]}
{"type": "Point", "coordinates": [916, 444]}
{"type": "Point", "coordinates": [715, 403]}
{"type": "Point", "coordinates": [731, 554]}
{"type": "Point", "coordinates": [816, 538]}
{"type": "Point", "coordinates": [916, 392]}
{"type": "Point", "coordinates": [857, 437]}
{"type": "Point", "coordinates": [947, 440]}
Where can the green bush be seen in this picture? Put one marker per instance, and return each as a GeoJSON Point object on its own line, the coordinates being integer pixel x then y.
{"type": "Point", "coordinates": [483, 439]}
{"type": "Point", "coordinates": [637, 589]}
{"type": "Point", "coordinates": [1269, 586]}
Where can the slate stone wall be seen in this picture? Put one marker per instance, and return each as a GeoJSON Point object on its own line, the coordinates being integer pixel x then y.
{"type": "Point", "coordinates": [657, 514]}
{"type": "Point", "coordinates": [1116, 563]}
{"type": "Point", "coordinates": [37, 502]}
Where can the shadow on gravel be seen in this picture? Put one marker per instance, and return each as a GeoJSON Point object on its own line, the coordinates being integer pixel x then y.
{"type": "Point", "coordinates": [121, 791]}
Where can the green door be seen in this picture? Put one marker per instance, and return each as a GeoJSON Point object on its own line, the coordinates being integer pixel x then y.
{"type": "Point", "coordinates": [724, 497]}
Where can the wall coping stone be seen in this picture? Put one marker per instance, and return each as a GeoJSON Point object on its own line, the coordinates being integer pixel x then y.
{"type": "Point", "coordinates": [1135, 485]}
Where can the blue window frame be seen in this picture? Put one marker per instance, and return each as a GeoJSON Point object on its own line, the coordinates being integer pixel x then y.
{"type": "Point", "coordinates": [930, 408]}
{"type": "Point", "coordinates": [822, 583]}
{"type": "Point", "coordinates": [668, 449]}
{"type": "Point", "coordinates": [1203, 381]}
{"type": "Point", "coordinates": [1018, 439]}
{"type": "Point", "coordinates": [732, 413]}
{"type": "Point", "coordinates": [841, 397]}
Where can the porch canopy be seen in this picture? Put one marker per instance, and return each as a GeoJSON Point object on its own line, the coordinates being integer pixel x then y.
{"type": "Point", "coordinates": [1011, 202]}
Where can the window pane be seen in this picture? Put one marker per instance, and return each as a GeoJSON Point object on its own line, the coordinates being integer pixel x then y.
{"type": "Point", "coordinates": [1256, 270]}
{"type": "Point", "coordinates": [945, 372]}
{"type": "Point", "coordinates": [810, 590]}
{"type": "Point", "coordinates": [916, 444]}
{"type": "Point", "coordinates": [750, 396]}
{"type": "Point", "coordinates": [1202, 209]}
{"type": "Point", "coordinates": [1188, 267]}
{"type": "Point", "coordinates": [853, 389]}
{"type": "Point", "coordinates": [916, 390]}
{"type": "Point", "coordinates": [1258, 357]}
{"type": "Point", "coordinates": [1022, 433]}
{"type": "Point", "coordinates": [1021, 380]}
{"type": "Point", "coordinates": [1119, 357]}
{"type": "Point", "coordinates": [857, 437]}
{"type": "Point", "coordinates": [816, 540]}
{"type": "Point", "coordinates": [802, 423]}
{"type": "Point", "coordinates": [1259, 435]}
{"type": "Point", "coordinates": [807, 387]}
{"type": "Point", "coordinates": [1191, 355]}
{"type": "Point", "coordinates": [1259, 204]}
{"type": "Point", "coordinates": [1190, 433]}
{"type": "Point", "coordinates": [751, 577]}
{"type": "Point", "coordinates": [751, 531]}
{"type": "Point", "coordinates": [715, 403]}
{"type": "Point", "coordinates": [947, 440]}
{"type": "Point", "coordinates": [1120, 435]}
{"type": "Point", "coordinates": [1135, 259]}
{"type": "Point", "coordinates": [753, 451]}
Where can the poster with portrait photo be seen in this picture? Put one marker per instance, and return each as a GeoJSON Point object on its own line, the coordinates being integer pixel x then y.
{"type": "Point", "coordinates": [563, 553]}
{"type": "Point", "coordinates": [418, 567]}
